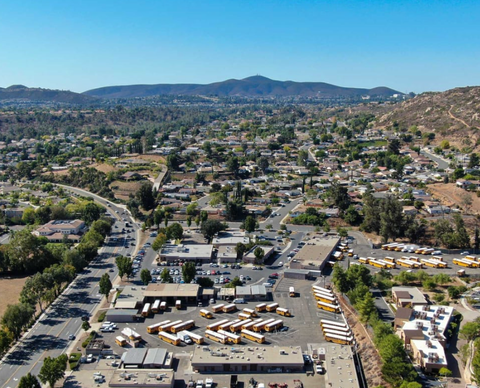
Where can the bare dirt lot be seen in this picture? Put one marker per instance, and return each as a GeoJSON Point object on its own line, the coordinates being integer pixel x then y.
{"type": "Point", "coordinates": [123, 189]}
{"type": "Point", "coordinates": [451, 195]}
{"type": "Point", "coordinates": [104, 167]}
{"type": "Point", "coordinates": [10, 290]}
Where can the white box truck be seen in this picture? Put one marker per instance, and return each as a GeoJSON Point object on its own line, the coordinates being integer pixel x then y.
{"type": "Point", "coordinates": [185, 337]}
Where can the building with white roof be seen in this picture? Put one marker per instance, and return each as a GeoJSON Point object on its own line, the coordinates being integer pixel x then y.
{"type": "Point", "coordinates": [425, 334]}
{"type": "Point", "coordinates": [190, 252]}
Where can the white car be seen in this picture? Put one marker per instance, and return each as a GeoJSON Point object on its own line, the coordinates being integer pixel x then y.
{"type": "Point", "coordinates": [319, 369]}
{"type": "Point", "coordinates": [208, 383]}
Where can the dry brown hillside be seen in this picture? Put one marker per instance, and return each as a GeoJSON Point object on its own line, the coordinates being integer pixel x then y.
{"type": "Point", "coordinates": [453, 115]}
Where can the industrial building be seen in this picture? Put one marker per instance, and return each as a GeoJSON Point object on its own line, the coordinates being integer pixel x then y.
{"type": "Point", "coordinates": [146, 358]}
{"type": "Point", "coordinates": [315, 254]}
{"type": "Point", "coordinates": [171, 292]}
{"type": "Point", "coordinates": [254, 359]}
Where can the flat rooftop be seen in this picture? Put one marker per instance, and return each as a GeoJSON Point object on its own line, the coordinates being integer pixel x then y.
{"type": "Point", "coordinates": [340, 368]}
{"type": "Point", "coordinates": [260, 355]}
{"type": "Point", "coordinates": [158, 290]}
{"type": "Point", "coordinates": [317, 250]}
{"type": "Point", "coordinates": [142, 378]}
{"type": "Point", "coordinates": [191, 251]}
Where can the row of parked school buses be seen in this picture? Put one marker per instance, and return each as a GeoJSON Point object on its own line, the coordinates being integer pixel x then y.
{"type": "Point", "coordinates": [405, 261]}
{"type": "Point", "coordinates": [246, 313]}
{"type": "Point", "coordinates": [337, 332]}
{"type": "Point", "coordinates": [326, 299]}
{"type": "Point", "coordinates": [467, 261]}
{"type": "Point", "coordinates": [399, 247]}
{"type": "Point", "coordinates": [158, 306]}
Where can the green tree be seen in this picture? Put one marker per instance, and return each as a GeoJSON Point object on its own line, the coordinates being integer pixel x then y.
{"type": "Point", "coordinates": [28, 216]}
{"type": "Point", "coordinates": [159, 241]}
{"type": "Point", "coordinates": [174, 231]}
{"type": "Point", "coordinates": [211, 227]}
{"type": "Point", "coordinates": [124, 265]}
{"type": "Point", "coordinates": [90, 213]}
{"type": "Point", "coordinates": [6, 338]}
{"type": "Point", "coordinates": [105, 285]}
{"type": "Point", "coordinates": [405, 277]}
{"type": "Point", "coordinates": [394, 146]}
{"type": "Point", "coordinates": [391, 217]}
{"type": "Point", "coordinates": [29, 381]}
{"type": "Point", "coordinates": [472, 163]}
{"type": "Point", "coordinates": [145, 276]}
{"type": "Point", "coordinates": [192, 209]}
{"type": "Point", "coordinates": [429, 284]}
{"type": "Point", "coordinates": [240, 249]}
{"type": "Point", "coordinates": [250, 224]}
{"type": "Point", "coordinates": [17, 317]}
{"type": "Point", "coordinates": [470, 330]}
{"type": "Point", "coordinates": [53, 369]}
{"type": "Point", "coordinates": [445, 372]}
{"type": "Point", "coordinates": [234, 283]}
{"type": "Point", "coordinates": [340, 196]}
{"type": "Point", "coordinates": [259, 254]}
{"type": "Point", "coordinates": [35, 289]}
{"type": "Point", "coordinates": [339, 279]}
{"type": "Point", "coordinates": [165, 276]}
{"type": "Point", "coordinates": [145, 196]}
{"type": "Point", "coordinates": [86, 326]}
{"type": "Point", "coordinates": [366, 308]}
{"type": "Point", "coordinates": [263, 163]}
{"type": "Point", "coordinates": [442, 278]}
{"type": "Point", "coordinates": [358, 293]}
{"type": "Point", "coordinates": [233, 165]}
{"type": "Point", "coordinates": [371, 213]}
{"type": "Point", "coordinates": [352, 216]}
{"type": "Point", "coordinates": [205, 282]}
{"type": "Point", "coordinates": [188, 271]}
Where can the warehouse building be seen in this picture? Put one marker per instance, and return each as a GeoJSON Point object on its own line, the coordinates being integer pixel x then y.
{"type": "Point", "coordinates": [315, 254]}
{"type": "Point", "coordinates": [146, 358]}
{"type": "Point", "coordinates": [255, 359]}
{"type": "Point", "coordinates": [171, 292]}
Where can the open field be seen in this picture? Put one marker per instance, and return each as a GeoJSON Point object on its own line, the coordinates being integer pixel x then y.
{"type": "Point", "coordinates": [10, 290]}
{"type": "Point", "coordinates": [104, 167]}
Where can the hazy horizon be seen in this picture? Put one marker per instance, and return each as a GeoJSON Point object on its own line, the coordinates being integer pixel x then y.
{"type": "Point", "coordinates": [409, 46]}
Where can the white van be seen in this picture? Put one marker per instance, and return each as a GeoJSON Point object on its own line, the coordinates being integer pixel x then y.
{"type": "Point", "coordinates": [267, 285]}
{"type": "Point", "coordinates": [239, 301]}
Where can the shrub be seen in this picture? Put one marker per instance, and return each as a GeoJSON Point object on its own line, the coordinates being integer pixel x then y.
{"type": "Point", "coordinates": [102, 316]}
{"type": "Point", "coordinates": [74, 359]}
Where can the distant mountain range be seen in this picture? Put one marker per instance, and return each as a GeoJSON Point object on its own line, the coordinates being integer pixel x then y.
{"type": "Point", "coordinates": [24, 93]}
{"type": "Point", "coordinates": [256, 86]}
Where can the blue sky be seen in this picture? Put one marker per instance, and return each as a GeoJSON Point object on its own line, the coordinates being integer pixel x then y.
{"type": "Point", "coordinates": [79, 45]}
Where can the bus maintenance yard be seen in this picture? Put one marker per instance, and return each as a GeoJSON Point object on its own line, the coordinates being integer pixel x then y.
{"type": "Point", "coordinates": [280, 359]}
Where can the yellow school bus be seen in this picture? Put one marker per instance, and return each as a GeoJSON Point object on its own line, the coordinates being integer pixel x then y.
{"type": "Point", "coordinates": [231, 338]}
{"type": "Point", "coordinates": [169, 338]}
{"type": "Point", "coordinates": [120, 341]}
{"type": "Point", "coordinates": [206, 314]}
{"type": "Point", "coordinates": [255, 337]}
{"type": "Point", "coordinates": [261, 307]}
{"type": "Point", "coordinates": [229, 308]}
{"type": "Point", "coordinates": [214, 336]}
{"type": "Point", "coordinates": [272, 307]}
{"type": "Point", "coordinates": [284, 312]}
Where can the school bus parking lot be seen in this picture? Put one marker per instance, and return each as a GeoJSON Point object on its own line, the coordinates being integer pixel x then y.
{"type": "Point", "coordinates": [303, 325]}
{"type": "Point", "coordinates": [366, 251]}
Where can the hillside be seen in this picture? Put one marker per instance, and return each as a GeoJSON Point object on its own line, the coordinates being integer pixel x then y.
{"type": "Point", "coordinates": [256, 86]}
{"type": "Point", "coordinates": [452, 115]}
{"type": "Point", "coordinates": [23, 93]}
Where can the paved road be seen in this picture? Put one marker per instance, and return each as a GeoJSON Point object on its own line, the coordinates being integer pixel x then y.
{"type": "Point", "coordinates": [442, 164]}
{"type": "Point", "coordinates": [49, 336]}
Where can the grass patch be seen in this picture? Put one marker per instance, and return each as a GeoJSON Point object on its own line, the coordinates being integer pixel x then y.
{"type": "Point", "coordinates": [102, 316]}
{"type": "Point", "coordinates": [376, 143]}
{"type": "Point", "coordinates": [73, 360]}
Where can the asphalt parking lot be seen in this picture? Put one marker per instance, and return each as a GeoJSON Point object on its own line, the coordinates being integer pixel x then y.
{"type": "Point", "coordinates": [366, 251]}
{"type": "Point", "coordinates": [303, 326]}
